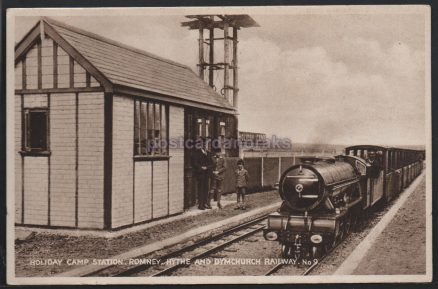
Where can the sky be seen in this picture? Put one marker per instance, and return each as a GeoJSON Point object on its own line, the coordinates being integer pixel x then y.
{"type": "Point", "coordinates": [338, 78]}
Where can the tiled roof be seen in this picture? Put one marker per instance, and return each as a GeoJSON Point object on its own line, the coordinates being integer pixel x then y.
{"type": "Point", "coordinates": [134, 68]}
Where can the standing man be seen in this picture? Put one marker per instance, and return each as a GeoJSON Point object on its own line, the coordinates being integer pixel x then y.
{"type": "Point", "coordinates": [217, 177]}
{"type": "Point", "coordinates": [202, 166]}
{"type": "Point", "coordinates": [373, 160]}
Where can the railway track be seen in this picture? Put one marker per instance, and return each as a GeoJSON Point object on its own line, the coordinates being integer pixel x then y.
{"type": "Point", "coordinates": [308, 269]}
{"type": "Point", "coordinates": [211, 245]}
{"type": "Point", "coordinates": [204, 248]}
{"type": "Point", "coordinates": [216, 247]}
{"type": "Point", "coordinates": [197, 250]}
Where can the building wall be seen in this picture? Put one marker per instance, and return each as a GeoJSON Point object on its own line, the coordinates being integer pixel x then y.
{"type": "Point", "coordinates": [66, 188]}
{"type": "Point", "coordinates": [19, 75]}
{"type": "Point", "coordinates": [63, 159]}
{"type": "Point", "coordinates": [18, 160]}
{"type": "Point", "coordinates": [123, 144]}
{"type": "Point", "coordinates": [143, 190]}
{"type": "Point", "coordinates": [47, 63]}
{"type": "Point", "coordinates": [176, 162]}
{"type": "Point", "coordinates": [90, 159]}
{"type": "Point", "coordinates": [36, 179]}
{"type": "Point", "coordinates": [35, 100]}
{"type": "Point", "coordinates": [31, 73]}
{"type": "Point", "coordinates": [62, 77]}
{"type": "Point", "coordinates": [36, 190]}
{"type": "Point", "coordinates": [160, 189]}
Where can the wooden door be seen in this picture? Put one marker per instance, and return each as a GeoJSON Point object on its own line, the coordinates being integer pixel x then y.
{"type": "Point", "coordinates": [190, 190]}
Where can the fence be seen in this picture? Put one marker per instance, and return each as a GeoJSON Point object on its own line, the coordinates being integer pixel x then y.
{"type": "Point", "coordinates": [264, 172]}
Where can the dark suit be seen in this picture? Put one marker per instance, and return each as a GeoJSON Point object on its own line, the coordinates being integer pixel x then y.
{"type": "Point", "coordinates": [218, 166]}
{"type": "Point", "coordinates": [201, 159]}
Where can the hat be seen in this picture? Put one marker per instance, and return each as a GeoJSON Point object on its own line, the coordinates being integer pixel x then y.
{"type": "Point", "coordinates": [240, 162]}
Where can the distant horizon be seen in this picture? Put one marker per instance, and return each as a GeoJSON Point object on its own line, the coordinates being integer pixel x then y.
{"type": "Point", "coordinates": [339, 144]}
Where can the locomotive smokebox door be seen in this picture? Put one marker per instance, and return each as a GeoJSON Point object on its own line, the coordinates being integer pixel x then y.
{"type": "Point", "coordinates": [300, 188]}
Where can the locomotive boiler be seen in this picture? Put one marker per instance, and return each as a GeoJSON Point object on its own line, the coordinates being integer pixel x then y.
{"type": "Point", "coordinates": [323, 198]}
{"type": "Point", "coordinates": [328, 186]}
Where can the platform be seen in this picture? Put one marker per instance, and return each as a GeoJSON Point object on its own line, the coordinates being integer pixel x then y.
{"type": "Point", "coordinates": [81, 271]}
{"type": "Point", "coordinates": [22, 233]}
{"type": "Point", "coordinates": [397, 244]}
{"type": "Point", "coordinates": [187, 227]}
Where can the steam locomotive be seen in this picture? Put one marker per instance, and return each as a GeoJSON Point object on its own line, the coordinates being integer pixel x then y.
{"type": "Point", "coordinates": [324, 198]}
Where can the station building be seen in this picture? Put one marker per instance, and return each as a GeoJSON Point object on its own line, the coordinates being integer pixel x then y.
{"type": "Point", "coordinates": [87, 110]}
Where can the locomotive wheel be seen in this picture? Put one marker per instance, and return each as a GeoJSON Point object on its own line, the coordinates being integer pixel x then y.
{"type": "Point", "coordinates": [337, 235]}
{"type": "Point", "coordinates": [360, 221]}
{"type": "Point", "coordinates": [330, 244]}
{"type": "Point", "coordinates": [297, 256]}
{"type": "Point", "coordinates": [285, 250]}
{"type": "Point", "coordinates": [354, 221]}
{"type": "Point", "coordinates": [341, 234]}
{"type": "Point", "coordinates": [347, 225]}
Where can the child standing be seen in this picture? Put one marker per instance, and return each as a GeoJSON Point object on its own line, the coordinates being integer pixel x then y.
{"type": "Point", "coordinates": [241, 184]}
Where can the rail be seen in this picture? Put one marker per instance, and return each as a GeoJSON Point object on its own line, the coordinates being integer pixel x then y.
{"type": "Point", "coordinates": [205, 241]}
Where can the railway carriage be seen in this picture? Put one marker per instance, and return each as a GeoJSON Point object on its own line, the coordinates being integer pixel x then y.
{"type": "Point", "coordinates": [323, 198]}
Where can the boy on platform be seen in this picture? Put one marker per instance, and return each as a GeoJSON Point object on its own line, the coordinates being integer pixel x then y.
{"type": "Point", "coordinates": [241, 184]}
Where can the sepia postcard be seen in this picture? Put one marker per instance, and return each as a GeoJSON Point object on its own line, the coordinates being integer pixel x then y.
{"type": "Point", "coordinates": [218, 145]}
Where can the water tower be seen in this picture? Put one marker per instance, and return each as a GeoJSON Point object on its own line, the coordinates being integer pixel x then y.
{"type": "Point", "coordinates": [218, 24]}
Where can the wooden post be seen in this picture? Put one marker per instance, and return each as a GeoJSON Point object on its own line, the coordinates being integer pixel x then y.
{"type": "Point", "coordinates": [211, 57]}
{"type": "Point", "coordinates": [39, 64]}
{"type": "Point", "coordinates": [226, 62]}
{"type": "Point", "coordinates": [262, 170]}
{"type": "Point", "coordinates": [279, 168]}
{"type": "Point", "coordinates": [235, 67]}
{"type": "Point", "coordinates": [201, 53]}
{"type": "Point", "coordinates": [42, 33]}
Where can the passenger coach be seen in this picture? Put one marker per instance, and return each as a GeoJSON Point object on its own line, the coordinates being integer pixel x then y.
{"type": "Point", "coordinates": [397, 168]}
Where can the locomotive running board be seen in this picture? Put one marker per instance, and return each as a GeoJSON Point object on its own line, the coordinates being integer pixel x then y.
{"type": "Point", "coordinates": [278, 222]}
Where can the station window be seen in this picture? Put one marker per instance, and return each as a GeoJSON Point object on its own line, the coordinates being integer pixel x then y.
{"type": "Point", "coordinates": [199, 124]}
{"type": "Point", "coordinates": [204, 128]}
{"type": "Point", "coordinates": [150, 129]}
{"type": "Point", "coordinates": [207, 128]}
{"type": "Point", "coordinates": [222, 128]}
{"type": "Point", "coordinates": [35, 130]}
